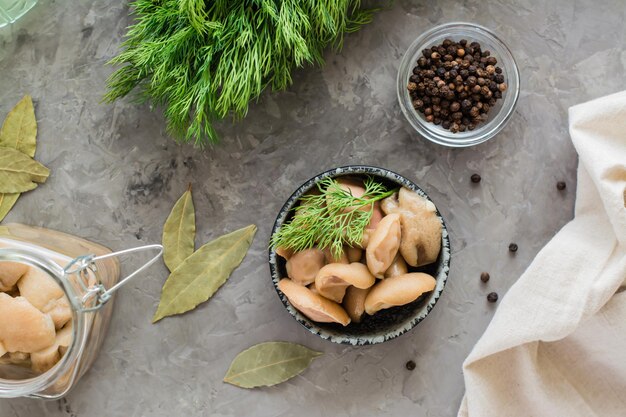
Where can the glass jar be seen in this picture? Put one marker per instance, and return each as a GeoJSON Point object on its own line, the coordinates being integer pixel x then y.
{"type": "Point", "coordinates": [499, 115]}
{"type": "Point", "coordinates": [88, 274]}
{"type": "Point", "coordinates": [11, 10]}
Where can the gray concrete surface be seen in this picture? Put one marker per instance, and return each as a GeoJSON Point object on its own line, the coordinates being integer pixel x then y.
{"type": "Point", "coordinates": [116, 174]}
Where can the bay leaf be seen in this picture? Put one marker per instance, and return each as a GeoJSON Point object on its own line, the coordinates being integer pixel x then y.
{"type": "Point", "coordinates": [19, 130]}
{"type": "Point", "coordinates": [6, 203]}
{"type": "Point", "coordinates": [199, 276]}
{"type": "Point", "coordinates": [179, 232]}
{"type": "Point", "coordinates": [19, 172]}
{"type": "Point", "coordinates": [268, 364]}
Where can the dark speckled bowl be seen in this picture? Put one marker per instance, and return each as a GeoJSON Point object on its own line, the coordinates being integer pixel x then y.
{"type": "Point", "coordinates": [386, 324]}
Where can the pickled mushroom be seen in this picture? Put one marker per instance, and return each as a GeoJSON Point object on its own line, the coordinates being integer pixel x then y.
{"type": "Point", "coordinates": [356, 189]}
{"type": "Point", "coordinates": [23, 327]}
{"type": "Point", "coordinates": [45, 359]}
{"type": "Point", "coordinates": [303, 266]}
{"type": "Point", "coordinates": [284, 252]}
{"type": "Point", "coordinates": [354, 254]}
{"type": "Point", "coordinates": [365, 240]}
{"type": "Point", "coordinates": [354, 302]}
{"type": "Point", "coordinates": [421, 228]}
{"type": "Point", "coordinates": [331, 259]}
{"type": "Point", "coordinates": [398, 291]}
{"type": "Point", "coordinates": [333, 279]}
{"type": "Point", "coordinates": [314, 306]}
{"type": "Point", "coordinates": [10, 273]}
{"type": "Point", "coordinates": [39, 288]}
{"type": "Point", "coordinates": [383, 245]}
{"type": "Point", "coordinates": [397, 267]}
{"type": "Point", "coordinates": [59, 310]}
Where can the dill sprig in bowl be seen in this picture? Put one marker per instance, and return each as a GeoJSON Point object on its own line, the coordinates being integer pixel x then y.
{"type": "Point", "coordinates": [386, 324]}
{"type": "Point", "coordinates": [330, 218]}
{"type": "Point", "coordinates": [205, 60]}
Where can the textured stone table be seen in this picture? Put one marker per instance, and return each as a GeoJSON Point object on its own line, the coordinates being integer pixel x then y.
{"type": "Point", "coordinates": [116, 174]}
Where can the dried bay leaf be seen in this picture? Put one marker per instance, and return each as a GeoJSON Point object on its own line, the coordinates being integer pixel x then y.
{"type": "Point", "coordinates": [199, 276]}
{"type": "Point", "coordinates": [268, 364]}
{"type": "Point", "coordinates": [179, 232]}
{"type": "Point", "coordinates": [19, 130]}
{"type": "Point", "coordinates": [19, 172]}
{"type": "Point", "coordinates": [6, 203]}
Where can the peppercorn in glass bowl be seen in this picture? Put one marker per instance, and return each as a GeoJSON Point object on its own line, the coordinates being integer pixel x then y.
{"type": "Point", "coordinates": [500, 112]}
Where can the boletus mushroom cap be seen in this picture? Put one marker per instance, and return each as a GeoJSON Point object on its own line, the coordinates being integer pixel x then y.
{"type": "Point", "coordinates": [312, 305]}
{"type": "Point", "coordinates": [398, 291]}
{"type": "Point", "coordinates": [333, 279]}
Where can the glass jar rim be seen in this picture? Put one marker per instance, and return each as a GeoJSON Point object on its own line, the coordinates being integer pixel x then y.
{"type": "Point", "coordinates": [36, 385]}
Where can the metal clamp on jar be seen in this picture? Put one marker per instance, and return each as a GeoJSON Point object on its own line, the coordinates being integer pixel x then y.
{"type": "Point", "coordinates": [55, 292]}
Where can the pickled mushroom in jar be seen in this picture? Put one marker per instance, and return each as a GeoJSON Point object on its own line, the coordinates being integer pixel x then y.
{"type": "Point", "coordinates": [36, 324]}
{"type": "Point", "coordinates": [10, 273]}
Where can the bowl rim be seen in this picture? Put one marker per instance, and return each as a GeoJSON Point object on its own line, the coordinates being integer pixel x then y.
{"type": "Point", "coordinates": [445, 139]}
{"type": "Point", "coordinates": [420, 314]}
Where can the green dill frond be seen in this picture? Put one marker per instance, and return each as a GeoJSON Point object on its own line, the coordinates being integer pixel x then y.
{"type": "Point", "coordinates": [331, 218]}
{"type": "Point", "coordinates": [205, 61]}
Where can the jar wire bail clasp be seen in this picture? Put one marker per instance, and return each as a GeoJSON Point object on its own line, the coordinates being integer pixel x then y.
{"type": "Point", "coordinates": [95, 295]}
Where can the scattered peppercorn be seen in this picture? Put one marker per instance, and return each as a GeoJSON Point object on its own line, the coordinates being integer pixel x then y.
{"type": "Point", "coordinates": [484, 277]}
{"type": "Point", "coordinates": [513, 247]}
{"type": "Point", "coordinates": [463, 78]}
{"type": "Point", "coordinates": [560, 185]}
{"type": "Point", "coordinates": [410, 365]}
{"type": "Point", "coordinates": [475, 178]}
{"type": "Point", "coordinates": [492, 297]}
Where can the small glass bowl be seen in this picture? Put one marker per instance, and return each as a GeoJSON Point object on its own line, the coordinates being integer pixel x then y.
{"type": "Point", "coordinates": [499, 115]}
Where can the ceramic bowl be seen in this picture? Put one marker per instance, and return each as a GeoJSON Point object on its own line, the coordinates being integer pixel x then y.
{"type": "Point", "coordinates": [386, 324]}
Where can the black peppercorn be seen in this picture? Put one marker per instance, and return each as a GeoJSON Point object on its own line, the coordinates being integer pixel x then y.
{"type": "Point", "coordinates": [513, 247]}
{"type": "Point", "coordinates": [484, 277]}
{"type": "Point", "coordinates": [492, 297]}
{"type": "Point", "coordinates": [560, 185]}
{"type": "Point", "coordinates": [475, 178]}
{"type": "Point", "coordinates": [462, 75]}
{"type": "Point", "coordinates": [410, 365]}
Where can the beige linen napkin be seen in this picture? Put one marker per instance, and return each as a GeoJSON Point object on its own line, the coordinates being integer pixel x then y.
{"type": "Point", "coordinates": [557, 343]}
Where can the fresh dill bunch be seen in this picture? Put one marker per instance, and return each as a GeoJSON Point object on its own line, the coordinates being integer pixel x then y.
{"type": "Point", "coordinates": [331, 218]}
{"type": "Point", "coordinates": [203, 60]}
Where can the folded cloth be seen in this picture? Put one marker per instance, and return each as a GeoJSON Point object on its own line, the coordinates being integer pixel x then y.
{"type": "Point", "coordinates": [557, 343]}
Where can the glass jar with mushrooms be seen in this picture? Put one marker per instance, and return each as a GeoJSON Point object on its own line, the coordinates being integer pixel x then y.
{"type": "Point", "coordinates": [53, 313]}
{"type": "Point", "coordinates": [381, 271]}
